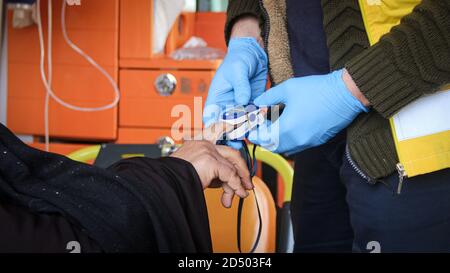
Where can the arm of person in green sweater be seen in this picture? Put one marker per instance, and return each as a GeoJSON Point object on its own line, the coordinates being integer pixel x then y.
{"type": "Point", "coordinates": [411, 60]}
{"type": "Point", "coordinates": [241, 9]}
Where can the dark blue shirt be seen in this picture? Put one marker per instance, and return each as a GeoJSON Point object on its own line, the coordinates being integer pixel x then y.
{"type": "Point", "coordinates": [309, 51]}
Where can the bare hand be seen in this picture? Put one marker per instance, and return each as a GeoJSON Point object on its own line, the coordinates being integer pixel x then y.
{"type": "Point", "coordinates": [218, 166]}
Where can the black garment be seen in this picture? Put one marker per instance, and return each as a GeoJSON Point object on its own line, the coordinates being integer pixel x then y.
{"type": "Point", "coordinates": [417, 220]}
{"type": "Point", "coordinates": [22, 231]}
{"type": "Point", "coordinates": [138, 205]}
{"type": "Point", "coordinates": [320, 214]}
{"type": "Point", "coordinates": [307, 40]}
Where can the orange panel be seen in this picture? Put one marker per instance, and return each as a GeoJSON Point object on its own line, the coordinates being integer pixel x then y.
{"type": "Point", "coordinates": [182, 30]}
{"type": "Point", "coordinates": [143, 106]}
{"type": "Point", "coordinates": [136, 24]}
{"type": "Point", "coordinates": [135, 29]}
{"type": "Point", "coordinates": [152, 135]}
{"type": "Point", "coordinates": [201, 24]}
{"type": "Point", "coordinates": [133, 56]}
{"type": "Point", "coordinates": [59, 148]}
{"type": "Point", "coordinates": [164, 62]}
{"type": "Point", "coordinates": [93, 26]}
{"type": "Point", "coordinates": [210, 26]}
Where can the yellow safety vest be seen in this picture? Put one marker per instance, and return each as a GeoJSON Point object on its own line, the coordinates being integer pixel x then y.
{"type": "Point", "coordinates": [421, 130]}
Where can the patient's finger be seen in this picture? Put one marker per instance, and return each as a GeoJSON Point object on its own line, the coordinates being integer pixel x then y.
{"type": "Point", "coordinates": [227, 196]}
{"type": "Point", "coordinates": [238, 162]}
{"type": "Point", "coordinates": [216, 131]}
{"type": "Point", "coordinates": [227, 173]}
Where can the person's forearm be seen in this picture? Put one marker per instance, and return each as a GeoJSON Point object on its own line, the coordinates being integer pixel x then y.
{"type": "Point", "coordinates": [242, 9]}
{"type": "Point", "coordinates": [353, 88]}
{"type": "Point", "coordinates": [247, 26]}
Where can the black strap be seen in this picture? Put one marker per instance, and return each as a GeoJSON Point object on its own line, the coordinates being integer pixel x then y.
{"type": "Point", "coordinates": [239, 224]}
{"type": "Point", "coordinates": [252, 167]}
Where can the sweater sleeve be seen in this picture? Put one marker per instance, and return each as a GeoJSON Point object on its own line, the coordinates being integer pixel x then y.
{"type": "Point", "coordinates": [411, 60]}
{"type": "Point", "coordinates": [238, 8]}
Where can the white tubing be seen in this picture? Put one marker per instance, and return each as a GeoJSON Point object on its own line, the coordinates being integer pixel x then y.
{"type": "Point", "coordinates": [47, 81]}
{"type": "Point", "coordinates": [50, 75]}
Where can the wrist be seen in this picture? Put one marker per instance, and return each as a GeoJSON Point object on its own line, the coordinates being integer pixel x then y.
{"type": "Point", "coordinates": [248, 45]}
{"type": "Point", "coordinates": [247, 26]}
{"type": "Point", "coordinates": [353, 88]}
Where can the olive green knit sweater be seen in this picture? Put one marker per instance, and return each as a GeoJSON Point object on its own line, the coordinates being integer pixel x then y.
{"type": "Point", "coordinates": [411, 60]}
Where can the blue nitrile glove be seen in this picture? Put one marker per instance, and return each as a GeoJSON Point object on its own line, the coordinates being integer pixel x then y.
{"type": "Point", "coordinates": [316, 109]}
{"type": "Point", "coordinates": [241, 77]}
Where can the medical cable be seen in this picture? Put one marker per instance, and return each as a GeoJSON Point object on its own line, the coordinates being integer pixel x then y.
{"type": "Point", "coordinates": [46, 81]}
{"type": "Point", "coordinates": [252, 165]}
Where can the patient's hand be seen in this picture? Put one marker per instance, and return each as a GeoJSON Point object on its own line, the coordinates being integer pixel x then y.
{"type": "Point", "coordinates": [218, 166]}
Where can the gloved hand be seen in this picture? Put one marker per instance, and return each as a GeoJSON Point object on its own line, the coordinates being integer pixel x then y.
{"type": "Point", "coordinates": [241, 77]}
{"type": "Point", "coordinates": [316, 109]}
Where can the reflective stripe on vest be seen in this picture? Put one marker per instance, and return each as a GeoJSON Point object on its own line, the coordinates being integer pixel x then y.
{"type": "Point", "coordinates": [421, 130]}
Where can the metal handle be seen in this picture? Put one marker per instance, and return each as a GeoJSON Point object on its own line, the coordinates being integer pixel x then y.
{"type": "Point", "coordinates": [167, 145]}
{"type": "Point", "coordinates": [165, 84]}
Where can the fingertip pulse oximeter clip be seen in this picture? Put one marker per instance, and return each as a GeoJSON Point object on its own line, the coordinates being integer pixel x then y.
{"type": "Point", "coordinates": [244, 119]}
